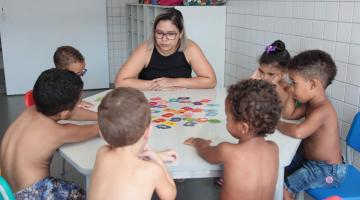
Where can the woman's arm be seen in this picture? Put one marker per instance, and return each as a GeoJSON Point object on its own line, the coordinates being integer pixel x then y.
{"type": "Point", "coordinates": [129, 72]}
{"type": "Point", "coordinates": [206, 77]}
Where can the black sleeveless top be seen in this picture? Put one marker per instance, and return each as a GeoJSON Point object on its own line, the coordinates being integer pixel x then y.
{"type": "Point", "coordinates": [172, 66]}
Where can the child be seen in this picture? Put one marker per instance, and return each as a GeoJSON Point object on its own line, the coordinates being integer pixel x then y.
{"type": "Point", "coordinates": [272, 68]}
{"type": "Point", "coordinates": [32, 139]}
{"type": "Point", "coordinates": [119, 172]}
{"type": "Point", "coordinates": [252, 110]}
{"type": "Point", "coordinates": [320, 164]}
{"type": "Point", "coordinates": [67, 57]}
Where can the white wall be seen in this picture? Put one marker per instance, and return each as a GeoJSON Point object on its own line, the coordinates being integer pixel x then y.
{"type": "Point", "coordinates": [330, 25]}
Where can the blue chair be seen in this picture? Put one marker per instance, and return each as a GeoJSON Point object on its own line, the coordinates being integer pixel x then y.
{"type": "Point", "coordinates": [350, 188]}
{"type": "Point", "coordinates": [5, 190]}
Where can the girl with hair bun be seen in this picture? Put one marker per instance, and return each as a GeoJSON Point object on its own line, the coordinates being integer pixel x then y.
{"type": "Point", "coordinates": [273, 68]}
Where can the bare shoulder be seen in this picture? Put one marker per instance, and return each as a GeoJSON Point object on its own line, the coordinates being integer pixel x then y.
{"type": "Point", "coordinates": [191, 46]}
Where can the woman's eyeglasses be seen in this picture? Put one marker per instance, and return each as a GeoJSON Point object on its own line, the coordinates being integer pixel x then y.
{"type": "Point", "coordinates": [169, 35]}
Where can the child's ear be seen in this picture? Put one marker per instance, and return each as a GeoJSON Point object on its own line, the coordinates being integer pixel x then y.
{"type": "Point", "coordinates": [243, 127]}
{"type": "Point", "coordinates": [147, 133]}
{"type": "Point", "coordinates": [314, 83]}
{"type": "Point", "coordinates": [65, 114]}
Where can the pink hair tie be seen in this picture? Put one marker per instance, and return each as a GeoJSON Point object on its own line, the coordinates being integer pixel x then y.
{"type": "Point", "coordinates": [270, 49]}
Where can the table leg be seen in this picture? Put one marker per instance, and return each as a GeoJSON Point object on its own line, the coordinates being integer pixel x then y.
{"type": "Point", "coordinates": [279, 185]}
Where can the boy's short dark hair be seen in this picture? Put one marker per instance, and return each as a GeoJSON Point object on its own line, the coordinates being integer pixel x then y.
{"type": "Point", "coordinates": [314, 64]}
{"type": "Point", "coordinates": [123, 115]}
{"type": "Point", "coordinates": [65, 55]}
{"type": "Point", "coordinates": [256, 103]}
{"type": "Point", "coordinates": [57, 90]}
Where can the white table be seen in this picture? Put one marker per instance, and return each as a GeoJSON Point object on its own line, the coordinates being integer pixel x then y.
{"type": "Point", "coordinates": [190, 165]}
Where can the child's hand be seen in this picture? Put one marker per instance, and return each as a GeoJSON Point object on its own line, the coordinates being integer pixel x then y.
{"type": "Point", "coordinates": [256, 75]}
{"type": "Point", "coordinates": [168, 155]}
{"type": "Point", "coordinates": [85, 105]}
{"type": "Point", "coordinates": [197, 142]}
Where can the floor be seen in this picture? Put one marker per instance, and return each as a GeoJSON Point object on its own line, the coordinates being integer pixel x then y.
{"type": "Point", "coordinates": [190, 189]}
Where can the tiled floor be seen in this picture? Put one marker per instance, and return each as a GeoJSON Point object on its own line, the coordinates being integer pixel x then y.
{"type": "Point", "coordinates": [191, 189]}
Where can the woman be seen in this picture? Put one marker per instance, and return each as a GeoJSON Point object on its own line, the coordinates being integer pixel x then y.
{"type": "Point", "coordinates": [165, 62]}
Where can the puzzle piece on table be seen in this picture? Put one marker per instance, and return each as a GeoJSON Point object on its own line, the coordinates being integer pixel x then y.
{"type": "Point", "coordinates": [214, 121]}
{"type": "Point", "coordinates": [160, 120]}
{"type": "Point", "coordinates": [175, 119]}
{"type": "Point", "coordinates": [202, 120]}
{"type": "Point", "coordinates": [98, 99]}
{"type": "Point", "coordinates": [170, 123]}
{"type": "Point", "coordinates": [189, 124]}
{"type": "Point", "coordinates": [162, 126]}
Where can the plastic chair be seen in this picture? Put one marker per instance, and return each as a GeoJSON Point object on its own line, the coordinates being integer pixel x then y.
{"type": "Point", "coordinates": [5, 190]}
{"type": "Point", "coordinates": [350, 188]}
{"type": "Point", "coordinates": [28, 98]}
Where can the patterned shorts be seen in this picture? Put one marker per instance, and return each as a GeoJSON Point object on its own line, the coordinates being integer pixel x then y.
{"type": "Point", "coordinates": [51, 188]}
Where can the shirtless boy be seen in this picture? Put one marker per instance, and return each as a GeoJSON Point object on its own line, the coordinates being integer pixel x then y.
{"type": "Point", "coordinates": [319, 162]}
{"type": "Point", "coordinates": [67, 57]}
{"type": "Point", "coordinates": [252, 110]}
{"type": "Point", "coordinates": [32, 139]}
{"type": "Point", "coordinates": [123, 170]}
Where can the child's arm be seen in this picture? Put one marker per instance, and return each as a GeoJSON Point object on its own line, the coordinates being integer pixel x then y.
{"type": "Point", "coordinates": [290, 111]}
{"type": "Point", "coordinates": [212, 154]}
{"type": "Point", "coordinates": [165, 187]}
{"type": "Point", "coordinates": [81, 114]}
{"type": "Point", "coordinates": [76, 133]}
{"type": "Point", "coordinates": [310, 125]}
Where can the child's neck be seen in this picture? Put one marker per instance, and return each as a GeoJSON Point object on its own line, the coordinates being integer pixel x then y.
{"type": "Point", "coordinates": [247, 137]}
{"type": "Point", "coordinates": [318, 98]}
{"type": "Point", "coordinates": [132, 150]}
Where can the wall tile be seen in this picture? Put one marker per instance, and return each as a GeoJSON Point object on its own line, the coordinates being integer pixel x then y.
{"type": "Point", "coordinates": [330, 30]}
{"type": "Point", "coordinates": [355, 33]}
{"type": "Point", "coordinates": [353, 74]}
{"type": "Point", "coordinates": [338, 90]}
{"type": "Point", "coordinates": [344, 32]}
{"type": "Point", "coordinates": [341, 71]}
{"type": "Point", "coordinates": [342, 52]}
{"type": "Point", "coordinates": [332, 10]}
{"type": "Point", "coordinates": [349, 113]}
{"type": "Point", "coordinates": [352, 94]}
{"type": "Point", "coordinates": [356, 15]}
{"type": "Point", "coordinates": [318, 29]}
{"type": "Point", "coordinates": [346, 11]}
{"type": "Point", "coordinates": [320, 10]}
{"type": "Point", "coordinates": [354, 54]}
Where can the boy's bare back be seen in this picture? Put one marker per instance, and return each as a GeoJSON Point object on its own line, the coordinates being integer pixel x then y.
{"type": "Point", "coordinates": [249, 169]}
{"type": "Point", "coordinates": [323, 144]}
{"type": "Point", "coordinates": [29, 144]}
{"type": "Point", "coordinates": [119, 174]}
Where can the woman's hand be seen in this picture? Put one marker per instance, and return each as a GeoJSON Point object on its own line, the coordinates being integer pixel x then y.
{"type": "Point", "coordinates": [85, 105]}
{"type": "Point", "coordinates": [163, 83]}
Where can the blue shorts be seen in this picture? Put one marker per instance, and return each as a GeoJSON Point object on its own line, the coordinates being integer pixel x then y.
{"type": "Point", "coordinates": [314, 174]}
{"type": "Point", "coordinates": [51, 188]}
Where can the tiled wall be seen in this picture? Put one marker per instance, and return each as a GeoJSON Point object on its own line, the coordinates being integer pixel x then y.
{"type": "Point", "coordinates": [117, 43]}
{"type": "Point", "coordinates": [330, 25]}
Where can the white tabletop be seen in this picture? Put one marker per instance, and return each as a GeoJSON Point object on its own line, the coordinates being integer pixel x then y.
{"type": "Point", "coordinates": [82, 155]}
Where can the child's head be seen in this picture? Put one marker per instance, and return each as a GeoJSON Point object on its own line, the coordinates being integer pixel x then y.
{"type": "Point", "coordinates": [254, 103]}
{"type": "Point", "coordinates": [314, 64]}
{"type": "Point", "coordinates": [274, 60]}
{"type": "Point", "coordinates": [57, 90]}
{"type": "Point", "coordinates": [67, 57]}
{"type": "Point", "coordinates": [124, 116]}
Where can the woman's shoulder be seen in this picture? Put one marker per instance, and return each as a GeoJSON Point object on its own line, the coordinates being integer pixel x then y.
{"type": "Point", "coordinates": [191, 46]}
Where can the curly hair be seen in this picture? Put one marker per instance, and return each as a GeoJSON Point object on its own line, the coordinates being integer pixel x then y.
{"type": "Point", "coordinates": [57, 90]}
{"type": "Point", "coordinates": [314, 64]}
{"type": "Point", "coordinates": [256, 103]}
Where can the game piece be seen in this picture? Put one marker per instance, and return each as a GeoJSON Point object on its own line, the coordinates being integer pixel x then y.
{"type": "Point", "coordinates": [170, 123]}
{"type": "Point", "coordinates": [98, 99]}
{"type": "Point", "coordinates": [213, 105]}
{"type": "Point", "coordinates": [188, 119]}
{"type": "Point", "coordinates": [197, 103]}
{"type": "Point", "coordinates": [162, 126]}
{"type": "Point", "coordinates": [155, 111]}
{"type": "Point", "coordinates": [184, 101]}
{"type": "Point", "coordinates": [175, 119]}
{"type": "Point", "coordinates": [202, 120]}
{"type": "Point", "coordinates": [187, 108]}
{"type": "Point", "coordinates": [214, 121]}
{"type": "Point", "coordinates": [189, 124]}
{"type": "Point", "coordinates": [159, 120]}
{"type": "Point", "coordinates": [161, 106]}
{"type": "Point", "coordinates": [167, 115]}
{"type": "Point", "coordinates": [210, 114]}
{"type": "Point", "coordinates": [173, 100]}
{"type": "Point", "coordinates": [197, 110]}
{"type": "Point", "coordinates": [183, 98]}
{"type": "Point", "coordinates": [152, 103]}
{"type": "Point", "coordinates": [205, 100]}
